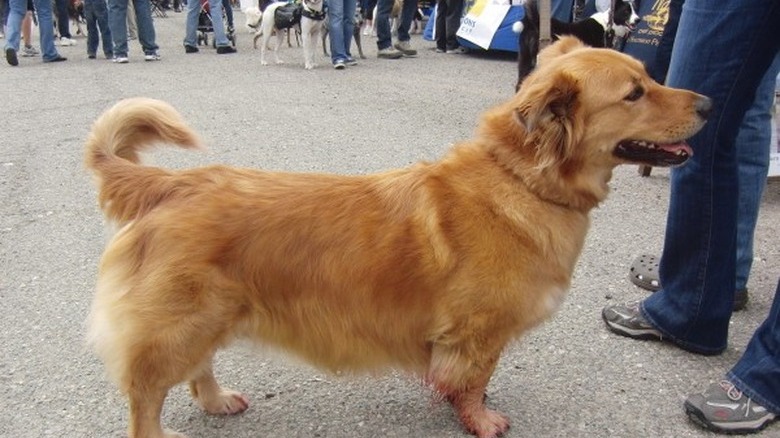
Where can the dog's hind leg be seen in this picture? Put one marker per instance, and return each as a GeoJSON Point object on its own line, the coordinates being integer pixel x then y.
{"type": "Point", "coordinates": [214, 399]}
{"type": "Point", "coordinates": [461, 374]}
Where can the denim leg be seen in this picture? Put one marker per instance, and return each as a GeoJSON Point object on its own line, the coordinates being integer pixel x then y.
{"type": "Point", "coordinates": [753, 144]}
{"type": "Point", "coordinates": [408, 9]}
{"type": "Point", "coordinates": [13, 30]}
{"type": "Point", "coordinates": [382, 20]}
{"type": "Point", "coordinates": [143, 17]}
{"type": "Point", "coordinates": [63, 19]}
{"type": "Point", "coordinates": [191, 28]}
{"type": "Point", "coordinates": [722, 50]}
{"type": "Point", "coordinates": [336, 23]}
{"type": "Point", "coordinates": [350, 8]}
{"type": "Point", "coordinates": [93, 39]}
{"type": "Point", "coordinates": [757, 373]}
{"type": "Point", "coordinates": [117, 21]}
{"type": "Point", "coordinates": [561, 10]}
{"type": "Point", "coordinates": [228, 9]}
{"type": "Point", "coordinates": [46, 29]}
{"type": "Point", "coordinates": [215, 8]}
{"type": "Point", "coordinates": [101, 15]}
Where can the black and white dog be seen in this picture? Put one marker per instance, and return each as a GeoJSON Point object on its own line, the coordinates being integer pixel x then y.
{"type": "Point", "coordinates": [591, 31]}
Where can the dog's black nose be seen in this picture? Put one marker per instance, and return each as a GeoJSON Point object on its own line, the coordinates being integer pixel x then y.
{"type": "Point", "coordinates": [704, 107]}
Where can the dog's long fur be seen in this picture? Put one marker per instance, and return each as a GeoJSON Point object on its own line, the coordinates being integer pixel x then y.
{"type": "Point", "coordinates": [433, 269]}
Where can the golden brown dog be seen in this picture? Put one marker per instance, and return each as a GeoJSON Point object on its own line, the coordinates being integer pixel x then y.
{"type": "Point", "coordinates": [432, 269]}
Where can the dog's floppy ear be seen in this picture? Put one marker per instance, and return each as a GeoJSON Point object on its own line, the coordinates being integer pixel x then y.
{"type": "Point", "coordinates": [548, 109]}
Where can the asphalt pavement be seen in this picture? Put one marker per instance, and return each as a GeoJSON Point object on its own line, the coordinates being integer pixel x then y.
{"type": "Point", "coordinates": [568, 378]}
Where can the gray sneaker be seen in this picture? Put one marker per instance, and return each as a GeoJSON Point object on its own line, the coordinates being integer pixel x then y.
{"type": "Point", "coordinates": [406, 48]}
{"type": "Point", "coordinates": [725, 409]}
{"type": "Point", "coordinates": [389, 53]}
{"type": "Point", "coordinates": [627, 320]}
{"type": "Point", "coordinates": [30, 51]}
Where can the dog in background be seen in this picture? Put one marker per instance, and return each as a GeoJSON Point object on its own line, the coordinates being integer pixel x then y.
{"type": "Point", "coordinates": [358, 22]}
{"type": "Point", "coordinates": [309, 14]}
{"type": "Point", "coordinates": [433, 269]}
{"type": "Point", "coordinates": [591, 31]}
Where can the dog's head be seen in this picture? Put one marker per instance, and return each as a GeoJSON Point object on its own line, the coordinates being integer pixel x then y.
{"type": "Point", "coordinates": [625, 14]}
{"type": "Point", "coordinates": [584, 111]}
{"type": "Point", "coordinates": [253, 17]}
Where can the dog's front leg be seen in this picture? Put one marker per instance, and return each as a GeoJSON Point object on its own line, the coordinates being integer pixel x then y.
{"type": "Point", "coordinates": [461, 374]}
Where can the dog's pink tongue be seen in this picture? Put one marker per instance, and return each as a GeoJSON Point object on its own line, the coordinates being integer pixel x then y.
{"type": "Point", "coordinates": [675, 147]}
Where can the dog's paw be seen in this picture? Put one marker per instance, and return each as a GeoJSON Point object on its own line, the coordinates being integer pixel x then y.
{"type": "Point", "coordinates": [486, 423]}
{"type": "Point", "coordinates": [279, 61]}
{"type": "Point", "coordinates": [263, 62]}
{"type": "Point", "coordinates": [226, 403]}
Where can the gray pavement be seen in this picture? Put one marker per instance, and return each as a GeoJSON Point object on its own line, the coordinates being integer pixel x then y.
{"type": "Point", "coordinates": [568, 378]}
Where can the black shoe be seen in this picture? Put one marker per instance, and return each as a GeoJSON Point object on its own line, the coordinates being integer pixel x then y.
{"type": "Point", "coordinates": [91, 56]}
{"type": "Point", "coordinates": [224, 50]}
{"type": "Point", "coordinates": [190, 49]}
{"type": "Point", "coordinates": [10, 56]}
{"type": "Point", "coordinates": [59, 58]}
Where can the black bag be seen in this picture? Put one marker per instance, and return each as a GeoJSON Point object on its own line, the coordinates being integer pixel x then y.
{"type": "Point", "coordinates": [287, 16]}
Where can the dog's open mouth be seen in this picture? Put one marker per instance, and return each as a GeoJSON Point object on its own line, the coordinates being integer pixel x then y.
{"type": "Point", "coordinates": [654, 154]}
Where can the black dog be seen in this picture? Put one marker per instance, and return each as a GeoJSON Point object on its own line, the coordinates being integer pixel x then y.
{"type": "Point", "coordinates": [591, 31]}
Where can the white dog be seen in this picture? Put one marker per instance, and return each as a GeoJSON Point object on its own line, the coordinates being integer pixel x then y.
{"type": "Point", "coordinates": [310, 16]}
{"type": "Point", "coordinates": [253, 16]}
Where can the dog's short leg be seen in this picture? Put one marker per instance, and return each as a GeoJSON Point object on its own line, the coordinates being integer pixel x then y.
{"type": "Point", "coordinates": [279, 38]}
{"type": "Point", "coordinates": [212, 398]}
{"type": "Point", "coordinates": [462, 380]}
{"type": "Point", "coordinates": [145, 408]}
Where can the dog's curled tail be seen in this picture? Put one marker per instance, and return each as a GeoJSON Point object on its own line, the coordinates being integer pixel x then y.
{"type": "Point", "coordinates": [128, 189]}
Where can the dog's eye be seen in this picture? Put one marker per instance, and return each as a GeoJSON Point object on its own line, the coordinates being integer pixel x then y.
{"type": "Point", "coordinates": [635, 94]}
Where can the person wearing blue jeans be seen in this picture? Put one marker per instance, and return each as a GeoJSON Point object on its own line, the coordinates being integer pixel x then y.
{"type": "Point", "coordinates": [117, 22]}
{"type": "Point", "coordinates": [16, 12]}
{"type": "Point", "coordinates": [191, 33]}
{"type": "Point", "coordinates": [722, 50]}
{"type": "Point", "coordinates": [341, 26]}
{"type": "Point", "coordinates": [96, 14]}
{"type": "Point", "coordinates": [386, 49]}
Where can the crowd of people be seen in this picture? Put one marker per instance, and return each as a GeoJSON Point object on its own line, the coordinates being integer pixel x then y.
{"type": "Point", "coordinates": [113, 23]}
{"type": "Point", "coordinates": [728, 52]}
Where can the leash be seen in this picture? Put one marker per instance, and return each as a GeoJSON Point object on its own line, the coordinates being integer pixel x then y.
{"type": "Point", "coordinates": [545, 23]}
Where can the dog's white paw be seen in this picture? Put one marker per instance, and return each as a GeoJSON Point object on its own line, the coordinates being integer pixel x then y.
{"type": "Point", "coordinates": [280, 62]}
{"type": "Point", "coordinates": [263, 62]}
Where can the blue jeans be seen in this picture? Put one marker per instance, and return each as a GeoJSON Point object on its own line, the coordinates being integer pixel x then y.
{"type": "Point", "coordinates": [63, 18]}
{"type": "Point", "coordinates": [722, 50]}
{"type": "Point", "coordinates": [753, 144]}
{"type": "Point", "coordinates": [96, 13]}
{"type": "Point", "coordinates": [341, 25]}
{"type": "Point", "coordinates": [16, 11]}
{"type": "Point", "coordinates": [117, 21]}
{"type": "Point", "coordinates": [215, 10]}
{"type": "Point", "coordinates": [383, 8]}
{"type": "Point", "coordinates": [757, 373]}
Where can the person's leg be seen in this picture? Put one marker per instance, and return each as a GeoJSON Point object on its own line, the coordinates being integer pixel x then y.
{"type": "Point", "coordinates": [13, 29]}
{"type": "Point", "coordinates": [117, 21]}
{"type": "Point", "coordinates": [753, 144]}
{"type": "Point", "coordinates": [348, 29]}
{"type": "Point", "coordinates": [146, 34]}
{"type": "Point", "coordinates": [722, 51]}
{"type": "Point", "coordinates": [441, 24]}
{"type": "Point", "coordinates": [92, 27]}
{"type": "Point", "coordinates": [757, 373]}
{"type": "Point", "coordinates": [408, 9]}
{"type": "Point", "coordinates": [561, 10]}
{"type": "Point", "coordinates": [228, 13]}
{"type": "Point", "coordinates": [191, 28]}
{"type": "Point", "coordinates": [101, 15]}
{"type": "Point", "coordinates": [27, 29]}
{"type": "Point", "coordinates": [336, 21]}
{"type": "Point", "coordinates": [454, 12]}
{"type": "Point", "coordinates": [63, 20]}
{"type": "Point", "coordinates": [382, 20]}
{"type": "Point", "coordinates": [217, 24]}
{"type": "Point", "coordinates": [46, 30]}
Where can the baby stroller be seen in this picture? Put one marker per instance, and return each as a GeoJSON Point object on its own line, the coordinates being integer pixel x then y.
{"type": "Point", "coordinates": [206, 25]}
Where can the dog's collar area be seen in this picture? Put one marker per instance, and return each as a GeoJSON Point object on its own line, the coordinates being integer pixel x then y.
{"type": "Point", "coordinates": [312, 14]}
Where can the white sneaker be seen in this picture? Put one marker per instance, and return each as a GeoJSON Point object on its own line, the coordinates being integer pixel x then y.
{"type": "Point", "coordinates": [154, 56]}
{"type": "Point", "coordinates": [65, 41]}
{"type": "Point", "coordinates": [121, 60]}
{"type": "Point", "coordinates": [30, 51]}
